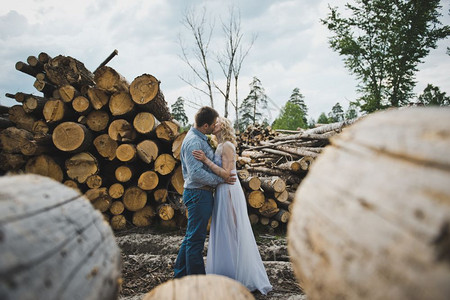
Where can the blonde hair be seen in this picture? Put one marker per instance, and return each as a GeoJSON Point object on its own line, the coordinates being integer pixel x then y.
{"type": "Point", "coordinates": [228, 133]}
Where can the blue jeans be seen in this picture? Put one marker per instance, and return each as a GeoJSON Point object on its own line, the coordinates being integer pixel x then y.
{"type": "Point", "coordinates": [190, 258]}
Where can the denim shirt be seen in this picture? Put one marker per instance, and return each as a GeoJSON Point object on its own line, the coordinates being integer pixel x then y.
{"type": "Point", "coordinates": [195, 173]}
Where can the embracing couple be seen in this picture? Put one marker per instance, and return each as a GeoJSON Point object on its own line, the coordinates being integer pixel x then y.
{"type": "Point", "coordinates": [210, 188]}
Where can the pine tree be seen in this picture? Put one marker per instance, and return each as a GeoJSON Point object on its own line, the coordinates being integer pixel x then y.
{"type": "Point", "coordinates": [251, 109]}
{"type": "Point", "coordinates": [323, 119]}
{"type": "Point", "coordinates": [432, 96]}
{"type": "Point", "coordinates": [352, 111]}
{"type": "Point", "coordinates": [291, 117]}
{"type": "Point", "coordinates": [178, 112]}
{"type": "Point", "coordinates": [298, 99]}
{"type": "Point", "coordinates": [336, 114]}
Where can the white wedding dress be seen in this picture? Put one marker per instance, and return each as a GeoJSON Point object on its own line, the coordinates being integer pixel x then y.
{"type": "Point", "coordinates": [232, 249]}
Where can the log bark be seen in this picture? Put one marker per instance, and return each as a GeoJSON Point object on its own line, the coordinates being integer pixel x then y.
{"type": "Point", "coordinates": [5, 123]}
{"type": "Point", "coordinates": [99, 198]}
{"type": "Point", "coordinates": [56, 110]}
{"type": "Point", "coordinates": [256, 199]}
{"type": "Point", "coordinates": [108, 79]}
{"type": "Point", "coordinates": [134, 198]}
{"type": "Point", "coordinates": [62, 259]}
{"type": "Point", "coordinates": [94, 181]}
{"type": "Point", "coordinates": [122, 131]}
{"type": "Point", "coordinates": [176, 145]}
{"type": "Point", "coordinates": [177, 180]}
{"type": "Point", "coordinates": [12, 139]}
{"type": "Point", "coordinates": [145, 123]}
{"type": "Point", "coordinates": [11, 161]}
{"type": "Point", "coordinates": [71, 137]}
{"type": "Point", "coordinates": [80, 166]}
{"type": "Point", "coordinates": [147, 151]}
{"type": "Point", "coordinates": [106, 146]}
{"type": "Point", "coordinates": [98, 120]}
{"type": "Point", "coordinates": [44, 57]}
{"type": "Point", "coordinates": [145, 92]}
{"type": "Point", "coordinates": [18, 116]}
{"type": "Point", "coordinates": [379, 224]}
{"type": "Point", "coordinates": [117, 208]}
{"type": "Point", "coordinates": [144, 216]}
{"type": "Point", "coordinates": [98, 97]}
{"type": "Point", "coordinates": [160, 195]}
{"type": "Point", "coordinates": [252, 183]}
{"type": "Point", "coordinates": [273, 184]}
{"type": "Point", "coordinates": [67, 93]}
{"type": "Point", "coordinates": [269, 208]}
{"type": "Point", "coordinates": [121, 104]}
{"type": "Point", "coordinates": [81, 105]}
{"type": "Point", "coordinates": [282, 216]}
{"type": "Point", "coordinates": [116, 190]}
{"type": "Point", "coordinates": [123, 173]}
{"type": "Point", "coordinates": [167, 131]}
{"type": "Point", "coordinates": [34, 105]}
{"type": "Point", "coordinates": [63, 70]}
{"type": "Point", "coordinates": [165, 164]}
{"type": "Point", "coordinates": [165, 212]}
{"type": "Point", "coordinates": [46, 166]}
{"type": "Point", "coordinates": [148, 180]}
{"type": "Point", "coordinates": [26, 68]}
{"type": "Point", "coordinates": [34, 62]}
{"type": "Point", "coordinates": [118, 222]}
{"type": "Point", "coordinates": [126, 152]}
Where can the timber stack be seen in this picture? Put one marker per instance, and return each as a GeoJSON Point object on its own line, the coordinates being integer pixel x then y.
{"type": "Point", "coordinates": [271, 164]}
{"type": "Point", "coordinates": [113, 141]}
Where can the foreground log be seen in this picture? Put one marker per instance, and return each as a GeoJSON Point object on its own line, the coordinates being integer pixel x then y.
{"type": "Point", "coordinates": [209, 286]}
{"type": "Point", "coordinates": [54, 244]}
{"type": "Point", "coordinates": [378, 227]}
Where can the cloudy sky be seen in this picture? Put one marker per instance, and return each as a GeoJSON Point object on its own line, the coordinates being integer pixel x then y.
{"type": "Point", "coordinates": [291, 49]}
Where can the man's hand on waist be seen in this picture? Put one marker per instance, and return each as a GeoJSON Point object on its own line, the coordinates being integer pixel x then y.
{"type": "Point", "coordinates": [231, 179]}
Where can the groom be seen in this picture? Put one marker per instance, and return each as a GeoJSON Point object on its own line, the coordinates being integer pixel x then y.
{"type": "Point", "coordinates": [199, 184]}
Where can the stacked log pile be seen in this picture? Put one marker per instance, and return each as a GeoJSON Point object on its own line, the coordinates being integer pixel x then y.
{"type": "Point", "coordinates": [113, 141]}
{"type": "Point", "coordinates": [272, 164]}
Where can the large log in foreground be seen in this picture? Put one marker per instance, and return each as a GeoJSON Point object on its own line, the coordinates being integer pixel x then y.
{"type": "Point", "coordinates": [209, 286]}
{"type": "Point", "coordinates": [53, 243]}
{"type": "Point", "coordinates": [379, 225]}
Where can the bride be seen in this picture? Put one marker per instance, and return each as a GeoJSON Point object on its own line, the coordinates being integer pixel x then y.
{"type": "Point", "coordinates": [232, 249]}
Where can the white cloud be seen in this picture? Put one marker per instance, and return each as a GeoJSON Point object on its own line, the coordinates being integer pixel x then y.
{"type": "Point", "coordinates": [291, 49]}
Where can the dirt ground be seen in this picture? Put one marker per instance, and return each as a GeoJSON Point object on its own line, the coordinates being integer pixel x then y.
{"type": "Point", "coordinates": [148, 256]}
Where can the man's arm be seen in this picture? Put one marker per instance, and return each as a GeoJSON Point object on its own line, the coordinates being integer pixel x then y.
{"type": "Point", "coordinates": [228, 162]}
{"type": "Point", "coordinates": [196, 170]}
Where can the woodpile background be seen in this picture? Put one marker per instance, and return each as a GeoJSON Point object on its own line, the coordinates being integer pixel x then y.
{"type": "Point", "coordinates": [113, 141]}
{"type": "Point", "coordinates": [272, 164]}
{"type": "Point", "coordinates": [116, 142]}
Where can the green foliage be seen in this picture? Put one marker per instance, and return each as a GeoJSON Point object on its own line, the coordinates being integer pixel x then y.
{"type": "Point", "coordinates": [323, 119]}
{"type": "Point", "coordinates": [336, 114]}
{"type": "Point", "coordinates": [251, 109]}
{"type": "Point", "coordinates": [178, 112]}
{"type": "Point", "coordinates": [291, 117]}
{"type": "Point", "coordinates": [352, 112]}
{"type": "Point", "coordinates": [432, 96]}
{"type": "Point", "coordinates": [383, 41]}
{"type": "Point", "coordinates": [297, 98]}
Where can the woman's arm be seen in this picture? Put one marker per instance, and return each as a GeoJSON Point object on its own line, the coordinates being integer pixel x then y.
{"type": "Point", "coordinates": [227, 161]}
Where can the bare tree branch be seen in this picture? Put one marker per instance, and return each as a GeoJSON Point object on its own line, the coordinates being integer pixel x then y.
{"type": "Point", "coordinates": [196, 25]}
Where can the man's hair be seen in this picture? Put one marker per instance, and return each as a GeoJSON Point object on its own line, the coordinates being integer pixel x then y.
{"type": "Point", "coordinates": [205, 115]}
